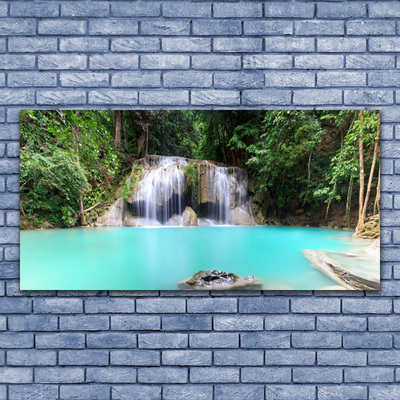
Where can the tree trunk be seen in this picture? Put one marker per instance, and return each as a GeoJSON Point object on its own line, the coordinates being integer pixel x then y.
{"type": "Point", "coordinates": [377, 207]}
{"type": "Point", "coordinates": [361, 221]}
{"type": "Point", "coordinates": [147, 139]}
{"type": "Point", "coordinates": [76, 134]}
{"type": "Point", "coordinates": [117, 137]}
{"type": "Point", "coordinates": [124, 131]}
{"type": "Point", "coordinates": [348, 202]}
{"type": "Point", "coordinates": [329, 203]}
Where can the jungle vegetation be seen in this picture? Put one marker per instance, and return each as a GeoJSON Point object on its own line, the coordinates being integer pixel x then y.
{"type": "Point", "coordinates": [323, 165]}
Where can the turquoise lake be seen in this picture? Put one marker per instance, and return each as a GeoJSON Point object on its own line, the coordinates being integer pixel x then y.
{"type": "Point", "coordinates": [124, 258]}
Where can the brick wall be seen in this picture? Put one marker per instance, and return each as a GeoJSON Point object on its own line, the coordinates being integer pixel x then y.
{"type": "Point", "coordinates": [199, 54]}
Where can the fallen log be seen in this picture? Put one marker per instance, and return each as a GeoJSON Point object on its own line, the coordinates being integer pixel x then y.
{"type": "Point", "coordinates": [91, 208]}
{"type": "Point", "coordinates": [320, 261]}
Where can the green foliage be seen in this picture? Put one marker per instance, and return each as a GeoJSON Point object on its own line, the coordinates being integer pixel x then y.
{"type": "Point", "coordinates": [135, 176]}
{"type": "Point", "coordinates": [191, 172]}
{"type": "Point", "coordinates": [51, 186]}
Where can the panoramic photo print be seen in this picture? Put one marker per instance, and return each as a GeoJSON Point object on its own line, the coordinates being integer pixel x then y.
{"type": "Point", "coordinates": [200, 200]}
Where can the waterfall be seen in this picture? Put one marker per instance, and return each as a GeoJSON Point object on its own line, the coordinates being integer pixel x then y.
{"type": "Point", "coordinates": [162, 197]}
{"type": "Point", "coordinates": [160, 194]}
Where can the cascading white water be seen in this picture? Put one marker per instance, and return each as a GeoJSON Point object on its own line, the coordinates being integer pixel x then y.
{"type": "Point", "coordinates": [160, 193]}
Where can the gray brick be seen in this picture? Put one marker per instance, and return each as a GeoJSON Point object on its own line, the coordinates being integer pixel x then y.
{"type": "Point", "coordinates": [216, 27]}
{"type": "Point", "coordinates": [83, 79]}
{"type": "Point", "coordinates": [111, 375]}
{"type": "Point", "coordinates": [325, 306]}
{"type": "Point", "coordinates": [217, 97]}
{"type": "Point", "coordinates": [3, 9]}
{"type": "Point", "coordinates": [290, 357]}
{"type": "Point", "coordinates": [164, 61]}
{"type": "Point", "coordinates": [36, 9]}
{"type": "Point", "coordinates": [32, 79]}
{"type": "Point", "coordinates": [8, 201]}
{"type": "Point", "coordinates": [215, 62]}
{"type": "Point", "coordinates": [386, 323]}
{"type": "Point", "coordinates": [214, 375]}
{"type": "Point", "coordinates": [269, 27]}
{"type": "Point", "coordinates": [187, 323]}
{"type": "Point", "coordinates": [368, 374]}
{"type": "Point", "coordinates": [181, 9]}
{"type": "Point", "coordinates": [107, 305]}
{"type": "Point", "coordinates": [384, 78]}
{"type": "Point", "coordinates": [241, 323]}
{"type": "Point", "coordinates": [194, 45]}
{"type": "Point", "coordinates": [186, 357]}
{"type": "Point", "coordinates": [364, 27]}
{"type": "Point", "coordinates": [368, 97]}
{"type": "Point", "coordinates": [289, 323]}
{"type": "Point", "coordinates": [85, 9]}
{"type": "Point", "coordinates": [214, 339]}
{"type": "Point", "coordinates": [135, 322]}
{"type": "Point", "coordinates": [165, 27]}
{"type": "Point", "coordinates": [62, 61]}
{"type": "Point", "coordinates": [316, 97]}
{"type": "Point", "coordinates": [289, 392]}
{"type": "Point", "coordinates": [366, 306]}
{"type": "Point", "coordinates": [267, 97]}
{"type": "Point", "coordinates": [87, 45]}
{"type": "Point", "coordinates": [288, 10]}
{"type": "Point", "coordinates": [341, 45]}
{"type": "Point", "coordinates": [107, 97]}
{"type": "Point", "coordinates": [159, 98]}
{"type": "Point", "coordinates": [32, 45]}
{"type": "Point", "coordinates": [289, 79]}
{"type": "Point", "coordinates": [60, 340]}
{"type": "Point", "coordinates": [382, 10]}
{"type": "Point", "coordinates": [15, 305]}
{"type": "Point", "coordinates": [387, 44]}
{"type": "Point", "coordinates": [135, 357]}
{"type": "Point", "coordinates": [384, 357]}
{"type": "Point", "coordinates": [61, 27]}
{"type": "Point", "coordinates": [19, 26]}
{"type": "Point", "coordinates": [113, 61]}
{"type": "Point", "coordinates": [17, 61]}
{"type": "Point", "coordinates": [370, 61]}
{"type": "Point", "coordinates": [110, 340]}
{"type": "Point", "coordinates": [39, 392]}
{"type": "Point", "coordinates": [237, 10]}
{"type": "Point", "coordinates": [341, 323]}
{"type": "Point", "coordinates": [238, 357]}
{"type": "Point", "coordinates": [11, 253]}
{"type": "Point", "coordinates": [57, 306]}
{"type": "Point", "coordinates": [162, 375]}
{"type": "Point", "coordinates": [111, 26]}
{"type": "Point", "coordinates": [264, 375]}
{"type": "Point", "coordinates": [317, 375]}
{"type": "Point", "coordinates": [83, 357]}
{"type": "Point", "coordinates": [32, 323]}
{"type": "Point", "coordinates": [31, 357]}
{"type": "Point", "coordinates": [367, 341]}
{"type": "Point", "coordinates": [98, 392]}
{"type": "Point", "coordinates": [264, 305]}
{"type": "Point", "coordinates": [163, 340]}
{"type": "Point", "coordinates": [237, 45]}
{"type": "Point", "coordinates": [212, 305]}
{"type": "Point", "coordinates": [16, 340]}
{"type": "Point", "coordinates": [319, 61]}
{"type": "Point", "coordinates": [325, 28]}
{"type": "Point", "coordinates": [288, 44]}
{"type": "Point", "coordinates": [321, 340]}
{"type": "Point", "coordinates": [345, 10]}
{"type": "Point", "coordinates": [342, 358]}
{"type": "Point", "coordinates": [84, 323]}
{"type": "Point", "coordinates": [139, 44]}
{"type": "Point", "coordinates": [342, 78]}
{"type": "Point", "coordinates": [136, 392]}
{"type": "Point", "coordinates": [261, 340]}
{"type": "Point", "coordinates": [179, 392]}
{"type": "Point", "coordinates": [187, 79]}
{"type": "Point", "coordinates": [344, 392]}
{"type": "Point", "coordinates": [59, 375]}
{"type": "Point", "coordinates": [16, 375]}
{"type": "Point", "coordinates": [138, 9]}
{"type": "Point", "coordinates": [234, 392]}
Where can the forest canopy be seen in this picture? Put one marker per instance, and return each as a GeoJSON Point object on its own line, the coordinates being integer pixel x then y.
{"type": "Point", "coordinates": [322, 166]}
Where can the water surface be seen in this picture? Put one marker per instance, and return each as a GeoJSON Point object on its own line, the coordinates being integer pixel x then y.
{"type": "Point", "coordinates": [124, 258]}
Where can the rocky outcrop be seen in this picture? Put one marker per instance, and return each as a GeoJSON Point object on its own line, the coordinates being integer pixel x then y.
{"type": "Point", "coordinates": [189, 217]}
{"type": "Point", "coordinates": [219, 280]}
{"type": "Point", "coordinates": [238, 216]}
{"type": "Point", "coordinates": [371, 229]}
{"type": "Point", "coordinates": [114, 216]}
{"type": "Point", "coordinates": [175, 220]}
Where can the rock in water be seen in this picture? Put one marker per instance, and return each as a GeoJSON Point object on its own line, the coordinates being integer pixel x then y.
{"type": "Point", "coordinates": [214, 279]}
{"type": "Point", "coordinates": [189, 217]}
{"type": "Point", "coordinates": [238, 216]}
{"type": "Point", "coordinates": [175, 220]}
